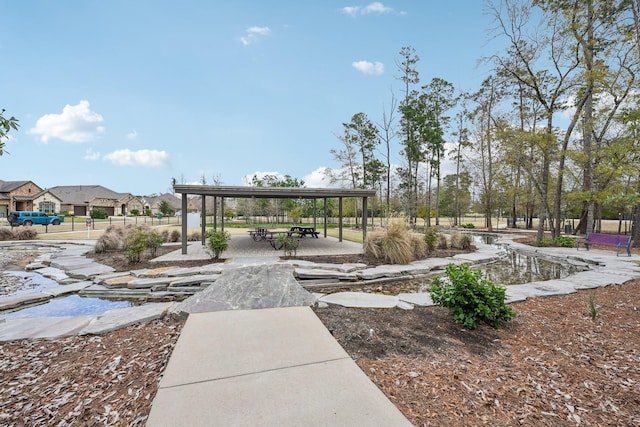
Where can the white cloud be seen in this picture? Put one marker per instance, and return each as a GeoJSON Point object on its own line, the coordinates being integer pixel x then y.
{"type": "Point", "coordinates": [366, 67]}
{"type": "Point", "coordinates": [317, 179]}
{"type": "Point", "coordinates": [254, 34]}
{"type": "Point", "coordinates": [132, 135]}
{"type": "Point", "coordinates": [77, 123]}
{"type": "Point", "coordinates": [91, 155]}
{"type": "Point", "coordinates": [146, 158]}
{"type": "Point", "coordinates": [375, 7]}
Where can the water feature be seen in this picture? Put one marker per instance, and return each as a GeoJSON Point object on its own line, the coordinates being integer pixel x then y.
{"type": "Point", "coordinates": [14, 283]}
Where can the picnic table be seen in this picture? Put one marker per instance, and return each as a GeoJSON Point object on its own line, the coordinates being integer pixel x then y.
{"type": "Point", "coordinates": [305, 231]}
{"type": "Point", "coordinates": [258, 234]}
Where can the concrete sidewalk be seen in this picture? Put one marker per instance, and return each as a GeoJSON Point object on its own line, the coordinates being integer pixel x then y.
{"type": "Point", "coordinates": [270, 367]}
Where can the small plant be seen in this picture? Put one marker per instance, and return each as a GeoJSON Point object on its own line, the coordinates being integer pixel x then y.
{"type": "Point", "coordinates": [289, 244]}
{"type": "Point", "coordinates": [431, 238]}
{"type": "Point", "coordinates": [593, 308]}
{"type": "Point", "coordinates": [217, 242]}
{"type": "Point", "coordinates": [174, 236]}
{"type": "Point", "coordinates": [469, 225]}
{"type": "Point", "coordinates": [461, 241]}
{"type": "Point", "coordinates": [470, 298]}
{"type": "Point", "coordinates": [154, 241]}
{"type": "Point", "coordinates": [136, 244]}
{"type": "Point", "coordinates": [392, 246]}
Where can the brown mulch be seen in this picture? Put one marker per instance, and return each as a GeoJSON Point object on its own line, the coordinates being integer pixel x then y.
{"type": "Point", "coordinates": [553, 365]}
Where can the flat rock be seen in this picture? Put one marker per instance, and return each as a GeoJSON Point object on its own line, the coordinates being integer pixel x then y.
{"type": "Point", "coordinates": [360, 299]}
{"type": "Point", "coordinates": [15, 328]}
{"type": "Point", "coordinates": [247, 288]}
{"type": "Point", "coordinates": [193, 280]}
{"type": "Point", "coordinates": [90, 270]}
{"type": "Point", "coordinates": [67, 289]}
{"type": "Point", "coordinates": [148, 283]}
{"type": "Point", "coordinates": [418, 298]}
{"type": "Point", "coordinates": [52, 273]}
{"type": "Point", "coordinates": [122, 317]}
{"type": "Point", "coordinates": [118, 282]}
{"type": "Point", "coordinates": [22, 300]}
{"type": "Point", "coordinates": [157, 272]}
{"type": "Point", "coordinates": [316, 273]}
{"type": "Point", "coordinates": [395, 270]}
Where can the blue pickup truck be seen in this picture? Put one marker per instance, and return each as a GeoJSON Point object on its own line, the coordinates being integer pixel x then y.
{"type": "Point", "coordinates": [28, 218]}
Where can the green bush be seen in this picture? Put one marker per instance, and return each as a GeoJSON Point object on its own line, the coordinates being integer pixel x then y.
{"type": "Point", "coordinates": [154, 241]}
{"type": "Point", "coordinates": [560, 241]}
{"type": "Point", "coordinates": [135, 212]}
{"type": "Point", "coordinates": [136, 244]}
{"type": "Point", "coordinates": [98, 213]}
{"type": "Point", "coordinates": [470, 298]}
{"type": "Point", "coordinates": [431, 238]}
{"type": "Point", "coordinates": [289, 244]}
{"type": "Point", "coordinates": [217, 242]}
{"type": "Point", "coordinates": [469, 225]}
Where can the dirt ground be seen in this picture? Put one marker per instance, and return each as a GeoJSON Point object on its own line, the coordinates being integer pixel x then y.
{"type": "Point", "coordinates": [553, 365]}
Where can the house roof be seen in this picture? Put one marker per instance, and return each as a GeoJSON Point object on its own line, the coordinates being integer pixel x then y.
{"type": "Point", "coordinates": [83, 194]}
{"type": "Point", "coordinates": [172, 200]}
{"type": "Point", "coordinates": [9, 186]}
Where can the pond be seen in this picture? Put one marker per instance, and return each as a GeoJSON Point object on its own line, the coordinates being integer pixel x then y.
{"type": "Point", "coordinates": [513, 268]}
{"type": "Point", "coordinates": [21, 282]}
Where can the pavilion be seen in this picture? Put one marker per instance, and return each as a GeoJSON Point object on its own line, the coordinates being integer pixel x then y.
{"type": "Point", "coordinates": [222, 192]}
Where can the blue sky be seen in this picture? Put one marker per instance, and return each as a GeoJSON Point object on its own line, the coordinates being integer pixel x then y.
{"type": "Point", "coordinates": [130, 94]}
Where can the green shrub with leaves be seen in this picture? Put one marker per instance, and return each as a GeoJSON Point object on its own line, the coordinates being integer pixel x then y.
{"type": "Point", "coordinates": [288, 244]}
{"type": "Point", "coordinates": [431, 238]}
{"type": "Point", "coordinates": [469, 225]}
{"type": "Point", "coordinates": [560, 241]}
{"type": "Point", "coordinates": [98, 213]}
{"type": "Point", "coordinates": [154, 241]}
{"type": "Point", "coordinates": [470, 298]}
{"type": "Point", "coordinates": [217, 242]}
{"type": "Point", "coordinates": [136, 244]}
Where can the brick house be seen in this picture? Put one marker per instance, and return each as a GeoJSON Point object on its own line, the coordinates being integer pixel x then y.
{"type": "Point", "coordinates": [17, 196]}
{"type": "Point", "coordinates": [79, 200]}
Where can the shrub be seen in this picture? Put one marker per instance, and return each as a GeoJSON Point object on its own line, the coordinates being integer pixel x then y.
{"type": "Point", "coordinates": [175, 236]}
{"type": "Point", "coordinates": [461, 241]}
{"type": "Point", "coordinates": [393, 246]}
{"type": "Point", "coordinates": [154, 241]}
{"type": "Point", "coordinates": [134, 212]}
{"type": "Point", "coordinates": [418, 246]}
{"type": "Point", "coordinates": [560, 241]}
{"type": "Point", "coordinates": [136, 244]}
{"type": "Point", "coordinates": [194, 236]}
{"type": "Point", "coordinates": [25, 233]}
{"type": "Point", "coordinates": [165, 235]}
{"type": "Point", "coordinates": [6, 234]}
{"type": "Point", "coordinates": [431, 238]}
{"type": "Point", "coordinates": [289, 244]}
{"type": "Point", "coordinates": [113, 239]}
{"type": "Point", "coordinates": [470, 298]}
{"type": "Point", "coordinates": [469, 225]}
{"type": "Point", "coordinates": [98, 213]}
{"type": "Point", "coordinates": [442, 241]}
{"type": "Point", "coordinates": [217, 242]}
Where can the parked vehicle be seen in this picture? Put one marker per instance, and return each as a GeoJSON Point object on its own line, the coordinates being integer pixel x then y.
{"type": "Point", "coordinates": [28, 218]}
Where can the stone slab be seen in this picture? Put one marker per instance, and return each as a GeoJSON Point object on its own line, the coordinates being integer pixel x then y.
{"type": "Point", "coordinates": [16, 328]}
{"type": "Point", "coordinates": [418, 298]}
{"type": "Point", "coordinates": [22, 300]}
{"type": "Point", "coordinates": [122, 317]}
{"type": "Point", "coordinates": [93, 269]}
{"type": "Point", "coordinates": [246, 288]}
{"type": "Point", "coordinates": [360, 299]}
{"type": "Point", "coordinates": [67, 289]}
{"type": "Point", "coordinates": [196, 279]}
{"type": "Point", "coordinates": [52, 273]}
{"type": "Point", "coordinates": [317, 273]}
{"type": "Point", "coordinates": [149, 282]}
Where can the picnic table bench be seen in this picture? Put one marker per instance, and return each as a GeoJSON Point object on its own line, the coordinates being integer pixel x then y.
{"type": "Point", "coordinates": [258, 234]}
{"type": "Point", "coordinates": [304, 231]}
{"type": "Point", "coordinates": [616, 240]}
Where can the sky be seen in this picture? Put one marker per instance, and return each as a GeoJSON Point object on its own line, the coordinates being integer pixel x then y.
{"type": "Point", "coordinates": [132, 94]}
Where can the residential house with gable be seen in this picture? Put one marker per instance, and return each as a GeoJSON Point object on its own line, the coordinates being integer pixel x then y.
{"type": "Point", "coordinates": [153, 202]}
{"type": "Point", "coordinates": [17, 196]}
{"type": "Point", "coordinates": [79, 200]}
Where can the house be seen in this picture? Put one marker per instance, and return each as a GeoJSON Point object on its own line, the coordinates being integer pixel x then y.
{"type": "Point", "coordinates": [17, 196]}
{"type": "Point", "coordinates": [153, 202]}
{"type": "Point", "coordinates": [79, 200]}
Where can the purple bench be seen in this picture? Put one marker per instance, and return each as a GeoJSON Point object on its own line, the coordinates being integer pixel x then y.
{"type": "Point", "coordinates": [606, 240]}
